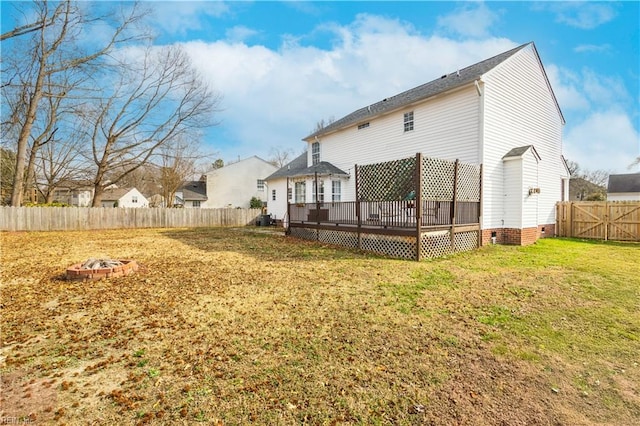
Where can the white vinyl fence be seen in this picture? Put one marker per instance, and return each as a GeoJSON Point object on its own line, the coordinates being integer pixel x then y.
{"type": "Point", "coordinates": [84, 218]}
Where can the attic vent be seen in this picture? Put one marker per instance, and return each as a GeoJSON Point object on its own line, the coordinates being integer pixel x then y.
{"type": "Point", "coordinates": [363, 125]}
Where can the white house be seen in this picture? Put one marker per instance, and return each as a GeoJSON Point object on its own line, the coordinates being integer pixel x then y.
{"type": "Point", "coordinates": [77, 194]}
{"type": "Point", "coordinates": [235, 184]}
{"type": "Point", "coordinates": [501, 113]}
{"type": "Point", "coordinates": [624, 187]}
{"type": "Point", "coordinates": [124, 197]}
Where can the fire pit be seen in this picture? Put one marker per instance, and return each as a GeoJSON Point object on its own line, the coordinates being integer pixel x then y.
{"type": "Point", "coordinates": [97, 269]}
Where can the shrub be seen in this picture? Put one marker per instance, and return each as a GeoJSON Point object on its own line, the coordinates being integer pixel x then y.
{"type": "Point", "coordinates": [255, 203]}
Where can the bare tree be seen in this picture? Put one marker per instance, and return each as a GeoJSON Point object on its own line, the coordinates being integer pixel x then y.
{"type": "Point", "coordinates": [7, 168]}
{"type": "Point", "coordinates": [279, 157]}
{"type": "Point", "coordinates": [323, 123]}
{"type": "Point", "coordinates": [178, 160]}
{"type": "Point", "coordinates": [54, 49]}
{"type": "Point", "coordinates": [574, 168]}
{"type": "Point", "coordinates": [156, 99]}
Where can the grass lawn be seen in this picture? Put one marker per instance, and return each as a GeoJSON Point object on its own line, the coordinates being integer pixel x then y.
{"type": "Point", "coordinates": [232, 326]}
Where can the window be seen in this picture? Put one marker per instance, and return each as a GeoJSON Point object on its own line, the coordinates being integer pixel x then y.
{"type": "Point", "coordinates": [289, 194]}
{"type": "Point", "coordinates": [363, 125]}
{"type": "Point", "coordinates": [315, 153]}
{"type": "Point", "coordinates": [300, 191]}
{"type": "Point", "coordinates": [273, 195]}
{"type": "Point", "coordinates": [196, 203]}
{"type": "Point", "coordinates": [134, 198]}
{"type": "Point", "coordinates": [260, 185]}
{"type": "Point", "coordinates": [335, 190]}
{"type": "Point", "coordinates": [320, 190]}
{"type": "Point", "coordinates": [408, 121]}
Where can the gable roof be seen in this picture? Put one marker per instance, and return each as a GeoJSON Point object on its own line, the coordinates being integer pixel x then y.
{"type": "Point", "coordinates": [115, 194]}
{"type": "Point", "coordinates": [520, 151]}
{"type": "Point", "coordinates": [322, 168]}
{"type": "Point", "coordinates": [624, 183]}
{"type": "Point", "coordinates": [194, 190]}
{"type": "Point", "coordinates": [424, 91]}
{"type": "Point", "coordinates": [291, 169]}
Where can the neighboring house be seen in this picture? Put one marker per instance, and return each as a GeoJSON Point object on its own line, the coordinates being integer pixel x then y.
{"type": "Point", "coordinates": [193, 194]}
{"type": "Point", "coordinates": [125, 197]}
{"type": "Point", "coordinates": [235, 184]}
{"type": "Point", "coordinates": [74, 193]}
{"type": "Point", "coordinates": [501, 113]}
{"type": "Point", "coordinates": [624, 187]}
{"type": "Point", "coordinates": [582, 190]}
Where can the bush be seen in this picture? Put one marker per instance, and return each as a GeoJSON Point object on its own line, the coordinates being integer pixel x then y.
{"type": "Point", "coordinates": [255, 203]}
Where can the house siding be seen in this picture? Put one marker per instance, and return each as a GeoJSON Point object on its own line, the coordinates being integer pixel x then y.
{"type": "Point", "coordinates": [235, 184]}
{"type": "Point", "coordinates": [623, 196]}
{"type": "Point", "coordinates": [530, 201]}
{"type": "Point", "coordinates": [519, 110]}
{"type": "Point", "coordinates": [278, 208]}
{"type": "Point", "coordinates": [513, 183]}
{"type": "Point", "coordinates": [446, 126]}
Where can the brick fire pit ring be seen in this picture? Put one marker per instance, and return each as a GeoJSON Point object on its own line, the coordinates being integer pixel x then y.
{"type": "Point", "coordinates": [78, 272]}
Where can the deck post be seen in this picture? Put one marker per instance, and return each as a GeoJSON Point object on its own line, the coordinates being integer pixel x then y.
{"type": "Point", "coordinates": [358, 215]}
{"type": "Point", "coordinates": [315, 182]}
{"type": "Point", "coordinates": [454, 205]}
{"type": "Point", "coordinates": [288, 222]}
{"type": "Point", "coordinates": [418, 206]}
{"type": "Point", "coordinates": [480, 212]}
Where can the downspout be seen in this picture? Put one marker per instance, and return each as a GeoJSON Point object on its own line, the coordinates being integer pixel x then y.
{"type": "Point", "coordinates": [480, 91]}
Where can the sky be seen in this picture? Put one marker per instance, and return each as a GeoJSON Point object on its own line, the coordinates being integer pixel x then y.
{"type": "Point", "coordinates": [281, 67]}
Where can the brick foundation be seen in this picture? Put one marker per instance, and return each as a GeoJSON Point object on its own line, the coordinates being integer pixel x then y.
{"type": "Point", "coordinates": [75, 273]}
{"type": "Point", "coordinates": [515, 236]}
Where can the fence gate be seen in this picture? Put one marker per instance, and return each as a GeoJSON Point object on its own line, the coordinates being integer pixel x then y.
{"type": "Point", "coordinates": [618, 221]}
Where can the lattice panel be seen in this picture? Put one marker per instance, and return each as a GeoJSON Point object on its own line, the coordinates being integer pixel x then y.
{"type": "Point", "coordinates": [395, 246]}
{"type": "Point", "coordinates": [389, 181]}
{"type": "Point", "coordinates": [435, 244]}
{"type": "Point", "coordinates": [303, 233]}
{"type": "Point", "coordinates": [466, 241]}
{"type": "Point", "coordinates": [339, 238]}
{"type": "Point", "coordinates": [468, 182]}
{"type": "Point", "coordinates": [437, 179]}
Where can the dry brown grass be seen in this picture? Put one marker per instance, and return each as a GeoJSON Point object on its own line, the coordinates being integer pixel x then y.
{"type": "Point", "coordinates": [229, 326]}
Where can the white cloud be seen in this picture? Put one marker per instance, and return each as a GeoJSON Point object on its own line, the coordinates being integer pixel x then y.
{"type": "Point", "coordinates": [584, 15]}
{"type": "Point", "coordinates": [592, 48]}
{"type": "Point", "coordinates": [600, 132]}
{"type": "Point", "coordinates": [175, 17]}
{"type": "Point", "coordinates": [240, 33]}
{"type": "Point", "coordinates": [604, 140]}
{"type": "Point", "coordinates": [274, 98]}
{"type": "Point", "coordinates": [567, 88]}
{"type": "Point", "coordinates": [471, 20]}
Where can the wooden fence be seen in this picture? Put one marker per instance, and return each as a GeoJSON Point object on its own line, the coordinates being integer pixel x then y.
{"type": "Point", "coordinates": [81, 218]}
{"type": "Point", "coordinates": [604, 220]}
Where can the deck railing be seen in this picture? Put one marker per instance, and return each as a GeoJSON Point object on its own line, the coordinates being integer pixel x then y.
{"type": "Point", "coordinates": [384, 214]}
